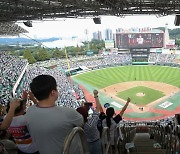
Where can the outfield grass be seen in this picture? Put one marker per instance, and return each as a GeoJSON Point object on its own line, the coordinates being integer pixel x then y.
{"type": "Point", "coordinates": [105, 77]}
{"type": "Point", "coordinates": [150, 95]}
{"type": "Point", "coordinates": [108, 76]}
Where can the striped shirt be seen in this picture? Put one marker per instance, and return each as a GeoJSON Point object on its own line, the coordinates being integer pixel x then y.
{"type": "Point", "coordinates": [90, 128]}
{"type": "Point", "coordinates": [20, 133]}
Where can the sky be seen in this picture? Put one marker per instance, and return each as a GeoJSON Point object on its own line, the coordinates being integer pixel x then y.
{"type": "Point", "coordinates": [67, 28]}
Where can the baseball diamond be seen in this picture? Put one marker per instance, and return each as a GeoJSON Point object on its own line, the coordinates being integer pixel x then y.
{"type": "Point", "coordinates": [154, 90]}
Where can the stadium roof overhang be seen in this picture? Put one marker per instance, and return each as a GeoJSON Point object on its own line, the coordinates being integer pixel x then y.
{"type": "Point", "coordinates": [16, 10]}
{"type": "Point", "coordinates": [26, 10]}
{"type": "Point", "coordinates": [10, 29]}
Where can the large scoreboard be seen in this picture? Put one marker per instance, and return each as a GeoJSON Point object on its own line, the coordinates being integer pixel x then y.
{"type": "Point", "coordinates": [139, 40]}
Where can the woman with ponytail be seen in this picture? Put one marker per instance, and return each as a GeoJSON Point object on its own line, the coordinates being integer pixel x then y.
{"type": "Point", "coordinates": [111, 121]}
{"type": "Point", "coordinates": [109, 116]}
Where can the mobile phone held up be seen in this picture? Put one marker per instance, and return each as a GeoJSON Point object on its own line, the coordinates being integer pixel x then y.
{"type": "Point", "coordinates": [88, 104]}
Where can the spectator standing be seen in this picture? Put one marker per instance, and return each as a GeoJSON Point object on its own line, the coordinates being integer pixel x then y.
{"type": "Point", "coordinates": [118, 117]}
{"type": "Point", "coordinates": [5, 123]}
{"type": "Point", "coordinates": [48, 124]}
{"type": "Point", "coordinates": [4, 142]}
{"type": "Point", "coordinates": [90, 126]}
{"type": "Point", "coordinates": [19, 131]}
{"type": "Point", "coordinates": [111, 122]}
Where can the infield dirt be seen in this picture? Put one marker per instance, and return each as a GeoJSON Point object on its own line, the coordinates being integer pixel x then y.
{"type": "Point", "coordinates": [167, 89]}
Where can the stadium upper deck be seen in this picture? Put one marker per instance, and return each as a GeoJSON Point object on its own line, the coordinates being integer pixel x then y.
{"type": "Point", "coordinates": [39, 10]}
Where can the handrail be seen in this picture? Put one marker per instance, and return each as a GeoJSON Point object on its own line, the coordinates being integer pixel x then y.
{"type": "Point", "coordinates": [169, 139]}
{"type": "Point", "coordinates": [162, 136]}
{"type": "Point", "coordinates": [70, 137]}
{"type": "Point", "coordinates": [106, 132]}
{"type": "Point", "coordinates": [178, 139]}
{"type": "Point", "coordinates": [19, 79]}
{"type": "Point", "coordinates": [116, 139]}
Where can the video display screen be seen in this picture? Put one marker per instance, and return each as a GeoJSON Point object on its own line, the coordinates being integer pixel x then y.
{"type": "Point", "coordinates": [139, 40]}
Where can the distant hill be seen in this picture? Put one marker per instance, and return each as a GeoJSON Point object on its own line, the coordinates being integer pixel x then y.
{"type": "Point", "coordinates": [173, 33]}
{"type": "Point", "coordinates": [21, 40]}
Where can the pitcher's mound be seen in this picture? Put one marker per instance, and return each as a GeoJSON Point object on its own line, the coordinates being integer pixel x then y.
{"type": "Point", "coordinates": [140, 94]}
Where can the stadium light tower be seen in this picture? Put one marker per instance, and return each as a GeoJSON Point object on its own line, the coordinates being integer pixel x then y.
{"type": "Point", "coordinates": [166, 35]}
{"type": "Point", "coordinates": [87, 32]}
{"type": "Point", "coordinates": [177, 20]}
{"type": "Point", "coordinates": [28, 23]}
{"type": "Point", "coordinates": [97, 20]}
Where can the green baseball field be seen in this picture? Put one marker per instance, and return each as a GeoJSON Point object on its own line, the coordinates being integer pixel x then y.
{"type": "Point", "coordinates": [141, 95]}
{"type": "Point", "coordinates": [155, 88]}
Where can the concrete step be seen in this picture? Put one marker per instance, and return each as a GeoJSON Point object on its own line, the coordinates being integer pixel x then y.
{"type": "Point", "coordinates": [144, 145]}
{"type": "Point", "coordinates": [149, 152]}
{"type": "Point", "coordinates": [141, 144]}
{"type": "Point", "coordinates": [148, 149]}
{"type": "Point", "coordinates": [141, 137]}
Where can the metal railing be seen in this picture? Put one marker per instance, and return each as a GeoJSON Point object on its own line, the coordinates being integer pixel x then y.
{"type": "Point", "coordinates": [177, 141]}
{"type": "Point", "coordinates": [106, 144]}
{"type": "Point", "coordinates": [67, 143]}
{"type": "Point", "coordinates": [116, 140]}
{"type": "Point", "coordinates": [166, 136]}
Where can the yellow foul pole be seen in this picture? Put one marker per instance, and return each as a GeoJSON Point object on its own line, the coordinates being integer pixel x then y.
{"type": "Point", "coordinates": [67, 60]}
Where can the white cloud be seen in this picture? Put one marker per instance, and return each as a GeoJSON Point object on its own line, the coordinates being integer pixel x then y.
{"type": "Point", "coordinates": [62, 43]}
{"type": "Point", "coordinates": [67, 28]}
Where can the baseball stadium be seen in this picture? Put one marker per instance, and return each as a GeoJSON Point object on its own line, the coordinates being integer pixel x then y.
{"type": "Point", "coordinates": [150, 79]}
{"type": "Point", "coordinates": [116, 94]}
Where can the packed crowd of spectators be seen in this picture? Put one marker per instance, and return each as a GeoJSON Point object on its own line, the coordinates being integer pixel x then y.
{"type": "Point", "coordinates": [167, 58]}
{"type": "Point", "coordinates": [10, 69]}
{"type": "Point", "coordinates": [68, 91]}
{"type": "Point", "coordinates": [162, 58]}
{"type": "Point", "coordinates": [103, 60]}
